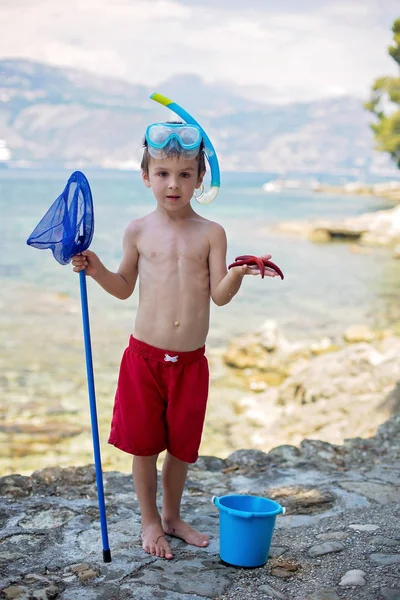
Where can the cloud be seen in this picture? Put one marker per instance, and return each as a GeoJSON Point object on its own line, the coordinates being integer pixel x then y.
{"type": "Point", "coordinates": [302, 49]}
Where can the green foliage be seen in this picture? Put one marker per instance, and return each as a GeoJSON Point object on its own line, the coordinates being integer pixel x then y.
{"type": "Point", "coordinates": [385, 105]}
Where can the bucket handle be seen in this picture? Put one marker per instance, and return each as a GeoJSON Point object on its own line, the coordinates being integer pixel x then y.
{"type": "Point", "coordinates": [233, 512]}
{"type": "Point", "coordinates": [245, 514]}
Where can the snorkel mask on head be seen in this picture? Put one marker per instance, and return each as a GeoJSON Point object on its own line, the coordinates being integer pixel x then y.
{"type": "Point", "coordinates": [184, 135]}
{"type": "Point", "coordinates": [164, 139]}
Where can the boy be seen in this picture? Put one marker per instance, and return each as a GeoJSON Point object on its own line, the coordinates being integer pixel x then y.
{"type": "Point", "coordinates": [180, 260]}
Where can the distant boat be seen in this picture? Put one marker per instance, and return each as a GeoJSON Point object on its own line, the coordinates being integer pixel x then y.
{"type": "Point", "coordinates": [277, 185]}
{"type": "Point", "coordinates": [5, 154]}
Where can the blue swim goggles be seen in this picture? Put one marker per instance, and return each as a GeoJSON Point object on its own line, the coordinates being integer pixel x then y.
{"type": "Point", "coordinates": [164, 139]}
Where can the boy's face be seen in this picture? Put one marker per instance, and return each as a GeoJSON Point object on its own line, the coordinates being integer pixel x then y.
{"type": "Point", "coordinates": [173, 180]}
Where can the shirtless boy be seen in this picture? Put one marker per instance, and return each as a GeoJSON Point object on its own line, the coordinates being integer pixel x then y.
{"type": "Point", "coordinates": [179, 258]}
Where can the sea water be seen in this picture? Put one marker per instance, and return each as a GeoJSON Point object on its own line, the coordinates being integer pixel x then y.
{"type": "Point", "coordinates": [44, 407]}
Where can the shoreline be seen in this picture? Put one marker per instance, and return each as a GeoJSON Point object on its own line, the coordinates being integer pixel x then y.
{"type": "Point", "coordinates": [379, 228]}
{"type": "Point", "coordinates": [388, 190]}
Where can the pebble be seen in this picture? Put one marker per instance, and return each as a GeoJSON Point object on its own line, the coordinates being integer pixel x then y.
{"type": "Point", "coordinates": [325, 548]}
{"type": "Point", "coordinates": [332, 535]}
{"type": "Point", "coordinates": [353, 577]}
{"type": "Point", "coordinates": [77, 568]}
{"type": "Point", "coordinates": [271, 592]}
{"type": "Point", "coordinates": [12, 592]}
{"type": "Point", "coordinates": [86, 575]}
{"type": "Point", "coordinates": [379, 540]}
{"type": "Point", "coordinates": [365, 527]}
{"type": "Point", "coordinates": [276, 551]}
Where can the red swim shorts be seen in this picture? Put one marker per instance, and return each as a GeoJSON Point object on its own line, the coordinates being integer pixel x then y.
{"type": "Point", "coordinates": [160, 401]}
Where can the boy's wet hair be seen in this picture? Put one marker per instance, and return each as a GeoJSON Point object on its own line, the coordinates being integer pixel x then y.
{"type": "Point", "coordinates": [144, 165]}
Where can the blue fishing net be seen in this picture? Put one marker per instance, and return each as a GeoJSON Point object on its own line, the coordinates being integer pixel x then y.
{"type": "Point", "coordinates": [67, 227]}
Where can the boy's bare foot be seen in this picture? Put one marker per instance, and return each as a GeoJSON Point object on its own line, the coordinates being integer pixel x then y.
{"type": "Point", "coordinates": [178, 528]}
{"type": "Point", "coordinates": [155, 542]}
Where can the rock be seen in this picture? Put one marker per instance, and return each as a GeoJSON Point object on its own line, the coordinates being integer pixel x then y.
{"type": "Point", "coordinates": [272, 339]}
{"type": "Point", "coordinates": [271, 592]}
{"type": "Point", "coordinates": [35, 562]}
{"type": "Point", "coordinates": [299, 500]}
{"type": "Point", "coordinates": [375, 228]}
{"type": "Point", "coordinates": [364, 526]}
{"type": "Point", "coordinates": [16, 486]}
{"type": "Point", "coordinates": [351, 578]}
{"type": "Point", "coordinates": [325, 548]}
{"type": "Point", "coordinates": [332, 535]}
{"type": "Point", "coordinates": [248, 458]}
{"type": "Point", "coordinates": [208, 463]}
{"type": "Point", "coordinates": [276, 551]}
{"type": "Point", "coordinates": [284, 453]}
{"type": "Point", "coordinates": [12, 592]}
{"type": "Point", "coordinates": [379, 540]}
{"type": "Point", "coordinates": [79, 567]}
{"type": "Point", "coordinates": [358, 333]}
{"type": "Point", "coordinates": [86, 575]}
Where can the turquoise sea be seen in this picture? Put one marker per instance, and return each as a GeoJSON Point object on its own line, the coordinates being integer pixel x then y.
{"type": "Point", "coordinates": [326, 287]}
{"type": "Point", "coordinates": [43, 409]}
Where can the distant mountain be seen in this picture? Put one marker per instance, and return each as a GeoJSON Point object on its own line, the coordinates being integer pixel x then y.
{"type": "Point", "coordinates": [52, 116]}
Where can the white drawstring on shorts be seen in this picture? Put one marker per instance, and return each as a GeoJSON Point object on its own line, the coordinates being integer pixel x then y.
{"type": "Point", "coordinates": [169, 358]}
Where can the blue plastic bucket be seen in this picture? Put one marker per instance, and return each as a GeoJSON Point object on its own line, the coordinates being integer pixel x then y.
{"type": "Point", "coordinates": [246, 526]}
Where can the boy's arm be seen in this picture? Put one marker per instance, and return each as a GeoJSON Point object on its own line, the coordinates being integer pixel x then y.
{"type": "Point", "coordinates": [224, 284]}
{"type": "Point", "coordinates": [122, 283]}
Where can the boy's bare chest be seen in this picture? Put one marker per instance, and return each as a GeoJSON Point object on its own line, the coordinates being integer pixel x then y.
{"type": "Point", "coordinates": [174, 246]}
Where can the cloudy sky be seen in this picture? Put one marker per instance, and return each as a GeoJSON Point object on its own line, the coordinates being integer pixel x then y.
{"type": "Point", "coordinates": [295, 49]}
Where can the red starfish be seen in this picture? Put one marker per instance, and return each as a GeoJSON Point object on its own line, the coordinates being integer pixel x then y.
{"type": "Point", "coordinates": [248, 259]}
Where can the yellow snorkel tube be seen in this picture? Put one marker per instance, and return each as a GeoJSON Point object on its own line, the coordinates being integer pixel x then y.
{"type": "Point", "coordinates": [202, 197]}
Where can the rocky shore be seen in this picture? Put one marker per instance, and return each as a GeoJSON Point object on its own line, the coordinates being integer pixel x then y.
{"type": "Point", "coordinates": [331, 389]}
{"type": "Point", "coordinates": [389, 190]}
{"type": "Point", "coordinates": [380, 228]}
{"type": "Point", "coordinates": [339, 539]}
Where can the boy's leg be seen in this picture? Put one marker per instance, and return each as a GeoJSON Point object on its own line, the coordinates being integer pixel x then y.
{"type": "Point", "coordinates": [144, 471]}
{"type": "Point", "coordinates": [173, 480]}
